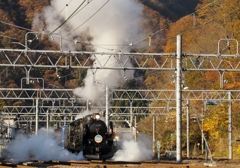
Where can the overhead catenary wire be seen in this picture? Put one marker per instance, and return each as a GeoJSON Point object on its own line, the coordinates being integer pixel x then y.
{"type": "Point", "coordinates": [64, 21]}
{"type": "Point", "coordinates": [64, 7]}
{"type": "Point", "coordinates": [199, 9]}
{"type": "Point", "coordinates": [96, 12]}
{"type": "Point", "coordinates": [152, 34]}
{"type": "Point", "coordinates": [147, 37]}
{"type": "Point", "coordinates": [81, 8]}
{"type": "Point", "coordinates": [15, 26]}
{"type": "Point", "coordinates": [67, 18]}
{"type": "Point", "coordinates": [88, 18]}
{"type": "Point", "coordinates": [128, 45]}
{"type": "Point", "coordinates": [207, 22]}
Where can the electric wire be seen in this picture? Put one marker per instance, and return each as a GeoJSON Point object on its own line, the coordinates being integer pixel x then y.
{"type": "Point", "coordinates": [84, 23]}
{"type": "Point", "coordinates": [67, 18]}
{"type": "Point", "coordinates": [164, 29]}
{"type": "Point", "coordinates": [152, 34]}
{"type": "Point", "coordinates": [88, 18]}
{"type": "Point", "coordinates": [15, 26]}
{"type": "Point", "coordinates": [64, 21]}
{"type": "Point", "coordinates": [64, 7]}
{"type": "Point", "coordinates": [146, 36]}
{"type": "Point", "coordinates": [199, 9]}
{"type": "Point", "coordinates": [81, 8]}
{"type": "Point", "coordinates": [199, 26]}
{"type": "Point", "coordinates": [73, 14]}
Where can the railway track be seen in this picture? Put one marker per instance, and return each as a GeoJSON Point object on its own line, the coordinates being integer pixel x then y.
{"type": "Point", "coordinates": [164, 163]}
{"type": "Point", "coordinates": [94, 164]}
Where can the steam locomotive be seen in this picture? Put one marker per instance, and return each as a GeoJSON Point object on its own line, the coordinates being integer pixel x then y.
{"type": "Point", "coordinates": [91, 136]}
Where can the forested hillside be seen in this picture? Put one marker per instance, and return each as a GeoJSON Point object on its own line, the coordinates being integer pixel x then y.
{"type": "Point", "coordinates": [201, 31]}
{"type": "Point", "coordinates": [200, 22]}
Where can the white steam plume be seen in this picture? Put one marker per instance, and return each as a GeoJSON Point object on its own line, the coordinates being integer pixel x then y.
{"type": "Point", "coordinates": [117, 24]}
{"type": "Point", "coordinates": [44, 146]}
{"type": "Point", "coordinates": [134, 151]}
{"type": "Point", "coordinates": [113, 24]}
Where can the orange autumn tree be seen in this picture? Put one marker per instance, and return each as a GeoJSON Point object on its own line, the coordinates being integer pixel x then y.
{"type": "Point", "coordinates": [215, 126]}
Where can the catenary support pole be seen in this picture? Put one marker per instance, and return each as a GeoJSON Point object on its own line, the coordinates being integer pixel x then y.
{"type": "Point", "coordinates": [179, 101]}
{"type": "Point", "coordinates": [187, 105]}
{"type": "Point", "coordinates": [36, 125]}
{"type": "Point", "coordinates": [230, 125]}
{"type": "Point", "coordinates": [135, 126]}
{"type": "Point", "coordinates": [154, 130]}
{"type": "Point", "coordinates": [131, 114]}
{"type": "Point", "coordinates": [47, 122]}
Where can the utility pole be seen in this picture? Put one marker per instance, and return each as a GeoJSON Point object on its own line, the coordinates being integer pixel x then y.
{"type": "Point", "coordinates": [154, 131]}
{"type": "Point", "coordinates": [179, 100]}
{"type": "Point", "coordinates": [188, 128]}
{"type": "Point", "coordinates": [36, 125]}
{"type": "Point", "coordinates": [230, 125]}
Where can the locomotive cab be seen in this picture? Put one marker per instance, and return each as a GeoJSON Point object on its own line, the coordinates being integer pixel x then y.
{"type": "Point", "coordinates": [89, 135]}
{"type": "Point", "coordinates": [98, 142]}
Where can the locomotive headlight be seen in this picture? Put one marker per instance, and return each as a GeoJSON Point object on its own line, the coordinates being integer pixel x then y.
{"type": "Point", "coordinates": [97, 116]}
{"type": "Point", "coordinates": [117, 138]}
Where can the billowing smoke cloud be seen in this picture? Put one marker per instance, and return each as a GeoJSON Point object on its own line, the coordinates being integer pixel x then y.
{"type": "Point", "coordinates": [44, 146]}
{"type": "Point", "coordinates": [134, 151]}
{"type": "Point", "coordinates": [113, 24]}
{"type": "Point", "coordinates": [47, 146]}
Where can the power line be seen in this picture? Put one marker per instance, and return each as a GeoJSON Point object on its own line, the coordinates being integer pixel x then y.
{"type": "Point", "coordinates": [82, 8]}
{"type": "Point", "coordinates": [111, 49]}
{"type": "Point", "coordinates": [198, 10]}
{"type": "Point", "coordinates": [64, 21]}
{"type": "Point", "coordinates": [15, 25]}
{"type": "Point", "coordinates": [199, 26]}
{"type": "Point", "coordinates": [88, 18]}
{"type": "Point", "coordinates": [149, 36]}
{"type": "Point", "coordinates": [68, 18]}
{"type": "Point", "coordinates": [129, 45]}
{"type": "Point", "coordinates": [64, 7]}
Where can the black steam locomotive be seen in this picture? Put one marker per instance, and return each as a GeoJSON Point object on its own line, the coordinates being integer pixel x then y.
{"type": "Point", "coordinates": [91, 136]}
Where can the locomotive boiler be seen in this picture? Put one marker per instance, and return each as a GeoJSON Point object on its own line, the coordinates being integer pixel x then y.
{"type": "Point", "coordinates": [90, 135]}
